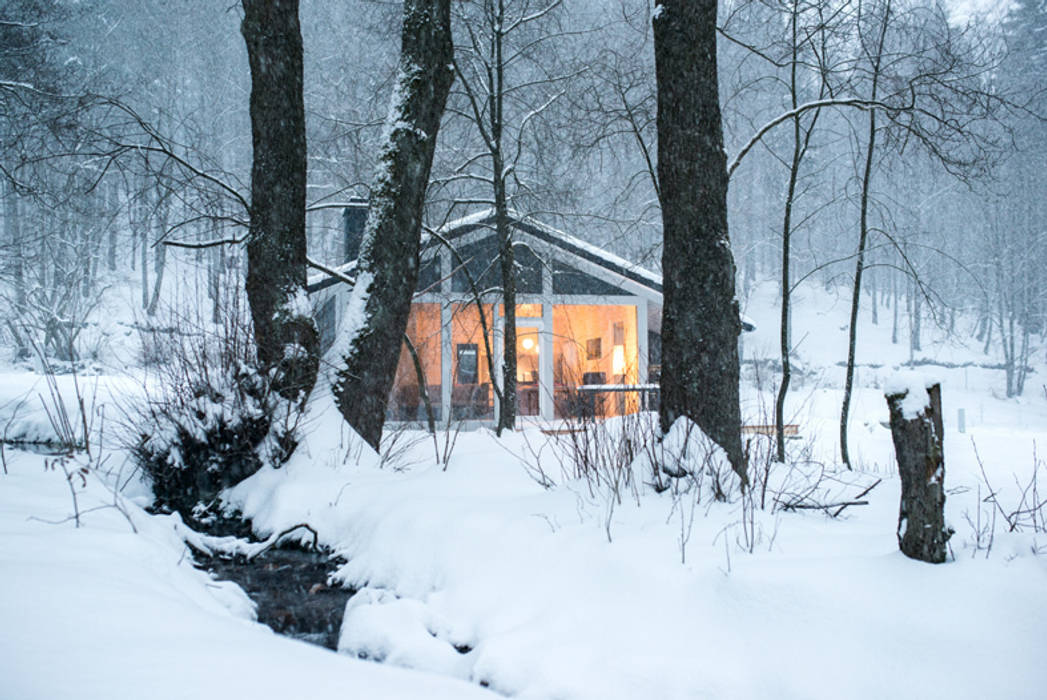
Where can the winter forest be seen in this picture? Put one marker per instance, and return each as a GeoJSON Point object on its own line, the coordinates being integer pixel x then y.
{"type": "Point", "coordinates": [529, 348]}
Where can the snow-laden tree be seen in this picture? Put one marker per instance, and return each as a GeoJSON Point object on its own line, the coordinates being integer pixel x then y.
{"type": "Point", "coordinates": [700, 322]}
{"type": "Point", "coordinates": [284, 331]}
{"type": "Point", "coordinates": [387, 271]}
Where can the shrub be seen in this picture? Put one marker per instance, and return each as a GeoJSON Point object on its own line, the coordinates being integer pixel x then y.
{"type": "Point", "coordinates": [210, 417]}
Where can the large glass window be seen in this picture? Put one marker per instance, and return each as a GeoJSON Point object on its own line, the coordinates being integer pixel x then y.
{"type": "Point", "coordinates": [471, 394]}
{"type": "Point", "coordinates": [595, 354]}
{"type": "Point", "coordinates": [406, 402]}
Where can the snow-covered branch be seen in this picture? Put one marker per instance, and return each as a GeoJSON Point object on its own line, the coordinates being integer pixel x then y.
{"type": "Point", "coordinates": [864, 105]}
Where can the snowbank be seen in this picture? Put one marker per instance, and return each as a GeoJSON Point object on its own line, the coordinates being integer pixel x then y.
{"type": "Point", "coordinates": [479, 573]}
{"type": "Point", "coordinates": [102, 612]}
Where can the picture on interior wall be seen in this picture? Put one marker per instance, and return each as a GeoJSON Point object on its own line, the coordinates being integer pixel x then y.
{"type": "Point", "coordinates": [593, 351]}
{"type": "Point", "coordinates": [468, 367]}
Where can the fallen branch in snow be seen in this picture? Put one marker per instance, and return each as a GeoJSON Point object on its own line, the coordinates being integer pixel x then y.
{"type": "Point", "coordinates": [822, 506]}
{"type": "Point", "coordinates": [863, 493]}
{"type": "Point", "coordinates": [230, 547]}
{"type": "Point", "coordinates": [803, 502]}
{"type": "Point", "coordinates": [273, 540]}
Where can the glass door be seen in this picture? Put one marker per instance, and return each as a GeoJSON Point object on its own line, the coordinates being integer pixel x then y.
{"type": "Point", "coordinates": [531, 374]}
{"type": "Point", "coordinates": [528, 364]}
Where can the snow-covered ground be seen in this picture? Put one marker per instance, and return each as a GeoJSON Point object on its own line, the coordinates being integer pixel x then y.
{"type": "Point", "coordinates": [476, 575]}
{"type": "Point", "coordinates": [113, 610]}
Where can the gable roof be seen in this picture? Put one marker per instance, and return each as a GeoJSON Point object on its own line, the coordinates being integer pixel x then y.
{"type": "Point", "coordinates": [639, 279]}
{"type": "Point", "coordinates": [574, 247]}
{"type": "Point", "coordinates": [483, 221]}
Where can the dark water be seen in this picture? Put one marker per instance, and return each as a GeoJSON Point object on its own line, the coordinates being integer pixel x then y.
{"type": "Point", "coordinates": [290, 588]}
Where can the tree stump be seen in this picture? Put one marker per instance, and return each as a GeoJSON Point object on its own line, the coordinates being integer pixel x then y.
{"type": "Point", "coordinates": [917, 432]}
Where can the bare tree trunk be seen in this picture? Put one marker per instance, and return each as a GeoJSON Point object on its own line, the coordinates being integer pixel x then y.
{"type": "Point", "coordinates": [506, 260]}
{"type": "Point", "coordinates": [112, 190]}
{"type": "Point", "coordinates": [790, 195]}
{"type": "Point", "coordinates": [894, 309]}
{"type": "Point", "coordinates": [14, 244]}
{"type": "Point", "coordinates": [918, 435]}
{"type": "Point", "coordinates": [863, 236]}
{"type": "Point", "coordinates": [988, 333]}
{"type": "Point", "coordinates": [917, 317]}
{"type": "Point", "coordinates": [388, 260]}
{"type": "Point", "coordinates": [873, 298]}
{"type": "Point", "coordinates": [506, 254]}
{"type": "Point", "coordinates": [132, 224]}
{"type": "Point", "coordinates": [13, 234]}
{"type": "Point", "coordinates": [159, 257]}
{"type": "Point", "coordinates": [1022, 370]}
{"type": "Point", "coordinates": [801, 141]}
{"type": "Point", "coordinates": [700, 321]}
{"type": "Point", "coordinates": [144, 262]}
{"type": "Point", "coordinates": [215, 270]}
{"type": "Point", "coordinates": [285, 335]}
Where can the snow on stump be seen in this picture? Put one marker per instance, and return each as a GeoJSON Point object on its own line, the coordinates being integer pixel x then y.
{"type": "Point", "coordinates": [916, 427]}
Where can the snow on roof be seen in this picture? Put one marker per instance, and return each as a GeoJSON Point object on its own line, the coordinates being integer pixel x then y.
{"type": "Point", "coordinates": [560, 238]}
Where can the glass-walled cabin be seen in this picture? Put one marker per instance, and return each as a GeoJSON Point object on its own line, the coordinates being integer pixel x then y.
{"type": "Point", "coordinates": [581, 341]}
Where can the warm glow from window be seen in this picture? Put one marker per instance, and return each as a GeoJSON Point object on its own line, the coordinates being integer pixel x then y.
{"type": "Point", "coordinates": [523, 310]}
{"type": "Point", "coordinates": [618, 359]}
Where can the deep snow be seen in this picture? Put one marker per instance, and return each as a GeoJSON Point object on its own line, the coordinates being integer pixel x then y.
{"type": "Point", "coordinates": [479, 575]}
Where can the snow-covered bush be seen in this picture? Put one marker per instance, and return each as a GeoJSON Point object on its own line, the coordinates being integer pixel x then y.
{"type": "Point", "coordinates": [687, 453]}
{"type": "Point", "coordinates": [629, 454]}
{"type": "Point", "coordinates": [210, 418]}
{"type": "Point", "coordinates": [601, 452]}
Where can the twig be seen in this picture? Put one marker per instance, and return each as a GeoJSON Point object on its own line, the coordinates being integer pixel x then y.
{"type": "Point", "coordinates": [866, 491]}
{"type": "Point", "coordinates": [822, 506]}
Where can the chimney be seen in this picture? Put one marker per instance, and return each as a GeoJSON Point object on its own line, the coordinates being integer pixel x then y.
{"type": "Point", "coordinates": [355, 219]}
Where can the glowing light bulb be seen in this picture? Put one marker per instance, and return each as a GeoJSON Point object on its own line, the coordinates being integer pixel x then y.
{"type": "Point", "coordinates": [527, 343]}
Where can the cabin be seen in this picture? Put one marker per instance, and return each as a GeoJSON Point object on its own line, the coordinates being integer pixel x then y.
{"type": "Point", "coordinates": [587, 324]}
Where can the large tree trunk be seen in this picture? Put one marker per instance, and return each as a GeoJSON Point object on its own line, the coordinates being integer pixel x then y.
{"type": "Point", "coordinates": [918, 435]}
{"type": "Point", "coordinates": [388, 262]}
{"type": "Point", "coordinates": [285, 335]}
{"type": "Point", "coordinates": [700, 322]}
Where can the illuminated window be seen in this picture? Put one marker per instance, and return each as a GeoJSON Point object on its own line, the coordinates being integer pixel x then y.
{"type": "Point", "coordinates": [471, 393]}
{"type": "Point", "coordinates": [406, 402]}
{"type": "Point", "coordinates": [581, 335]}
{"type": "Point", "coordinates": [523, 310]}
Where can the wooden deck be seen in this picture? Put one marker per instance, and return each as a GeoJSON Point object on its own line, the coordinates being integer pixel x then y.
{"type": "Point", "coordinates": [790, 430]}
